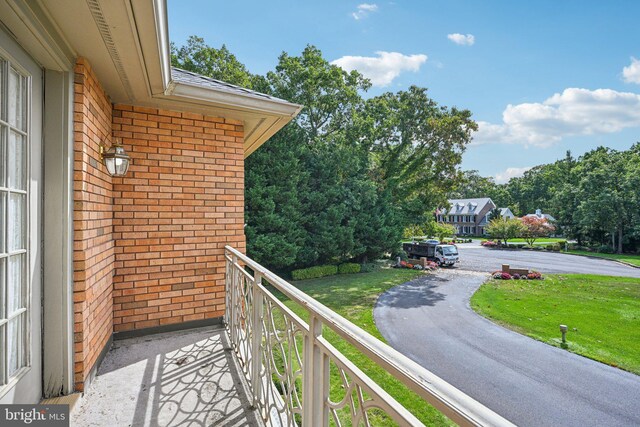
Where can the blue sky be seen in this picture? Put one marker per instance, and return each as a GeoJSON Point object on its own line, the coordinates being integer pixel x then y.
{"type": "Point", "coordinates": [540, 77]}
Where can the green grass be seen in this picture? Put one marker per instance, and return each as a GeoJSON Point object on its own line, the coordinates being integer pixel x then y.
{"type": "Point", "coordinates": [602, 313]}
{"type": "Point", "coordinates": [541, 241]}
{"type": "Point", "coordinates": [631, 259]}
{"type": "Point", "coordinates": [354, 296]}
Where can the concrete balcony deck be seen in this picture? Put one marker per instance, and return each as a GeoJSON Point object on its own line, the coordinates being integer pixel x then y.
{"type": "Point", "coordinates": [184, 378]}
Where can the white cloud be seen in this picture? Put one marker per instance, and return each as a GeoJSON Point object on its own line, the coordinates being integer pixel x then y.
{"type": "Point", "coordinates": [573, 112]}
{"type": "Point", "coordinates": [461, 39]}
{"type": "Point", "coordinates": [363, 10]}
{"type": "Point", "coordinates": [507, 174]}
{"type": "Point", "coordinates": [381, 70]}
{"type": "Point", "coordinates": [631, 73]}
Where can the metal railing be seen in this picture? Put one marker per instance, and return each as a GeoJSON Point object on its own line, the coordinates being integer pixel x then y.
{"type": "Point", "coordinates": [289, 365]}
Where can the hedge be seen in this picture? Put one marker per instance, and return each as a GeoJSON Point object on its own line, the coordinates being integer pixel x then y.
{"type": "Point", "coordinates": [368, 267]}
{"type": "Point", "coordinates": [314, 272]}
{"type": "Point", "coordinates": [348, 268]}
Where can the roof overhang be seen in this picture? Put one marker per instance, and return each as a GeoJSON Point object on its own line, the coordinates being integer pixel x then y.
{"type": "Point", "coordinates": [127, 44]}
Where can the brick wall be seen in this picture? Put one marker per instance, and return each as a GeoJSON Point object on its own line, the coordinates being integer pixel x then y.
{"type": "Point", "coordinates": [93, 247]}
{"type": "Point", "coordinates": [180, 203]}
{"type": "Point", "coordinates": [149, 247]}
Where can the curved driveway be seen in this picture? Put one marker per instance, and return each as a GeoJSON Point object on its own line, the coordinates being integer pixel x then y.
{"type": "Point", "coordinates": [528, 382]}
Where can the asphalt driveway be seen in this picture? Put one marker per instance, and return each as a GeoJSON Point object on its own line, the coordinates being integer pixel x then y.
{"type": "Point", "coordinates": [528, 382]}
{"type": "Point", "coordinates": [474, 257]}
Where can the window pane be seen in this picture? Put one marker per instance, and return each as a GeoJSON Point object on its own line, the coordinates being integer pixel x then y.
{"type": "Point", "coordinates": [3, 154]}
{"type": "Point", "coordinates": [17, 161]}
{"type": "Point", "coordinates": [16, 100]}
{"type": "Point", "coordinates": [2, 92]}
{"type": "Point", "coordinates": [3, 353]}
{"type": "Point", "coordinates": [3, 264]}
{"type": "Point", "coordinates": [16, 344]}
{"type": "Point", "coordinates": [3, 220]}
{"type": "Point", "coordinates": [16, 284]}
{"type": "Point", "coordinates": [17, 222]}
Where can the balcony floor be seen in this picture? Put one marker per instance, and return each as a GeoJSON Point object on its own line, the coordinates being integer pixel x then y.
{"type": "Point", "coordinates": [183, 378]}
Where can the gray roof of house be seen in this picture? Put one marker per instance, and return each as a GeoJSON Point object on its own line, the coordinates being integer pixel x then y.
{"type": "Point", "coordinates": [467, 206]}
{"type": "Point", "coordinates": [194, 79]}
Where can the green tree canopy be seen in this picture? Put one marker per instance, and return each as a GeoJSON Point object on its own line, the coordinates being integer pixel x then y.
{"type": "Point", "coordinates": [219, 64]}
{"type": "Point", "coordinates": [344, 178]}
{"type": "Point", "coordinates": [505, 228]}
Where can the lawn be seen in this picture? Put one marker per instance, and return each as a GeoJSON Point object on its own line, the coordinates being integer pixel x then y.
{"type": "Point", "coordinates": [540, 241]}
{"type": "Point", "coordinates": [602, 313]}
{"type": "Point", "coordinates": [631, 259]}
{"type": "Point", "coordinates": [354, 296]}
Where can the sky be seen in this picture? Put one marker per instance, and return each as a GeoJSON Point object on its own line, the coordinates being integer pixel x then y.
{"type": "Point", "coordinates": [539, 77]}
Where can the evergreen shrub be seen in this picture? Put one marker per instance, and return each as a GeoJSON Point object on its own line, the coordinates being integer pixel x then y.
{"type": "Point", "coordinates": [348, 268]}
{"type": "Point", "coordinates": [314, 272]}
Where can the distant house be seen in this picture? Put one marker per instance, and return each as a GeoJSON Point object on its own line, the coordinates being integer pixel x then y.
{"type": "Point", "coordinates": [469, 216]}
{"type": "Point", "coordinates": [539, 214]}
{"type": "Point", "coordinates": [506, 213]}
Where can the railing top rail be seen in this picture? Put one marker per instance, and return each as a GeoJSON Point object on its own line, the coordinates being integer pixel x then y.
{"type": "Point", "coordinates": [459, 407]}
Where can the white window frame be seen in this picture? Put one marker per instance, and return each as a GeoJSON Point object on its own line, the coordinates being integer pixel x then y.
{"type": "Point", "coordinates": [6, 383]}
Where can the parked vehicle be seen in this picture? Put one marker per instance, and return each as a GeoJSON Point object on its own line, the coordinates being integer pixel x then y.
{"type": "Point", "coordinates": [442, 254]}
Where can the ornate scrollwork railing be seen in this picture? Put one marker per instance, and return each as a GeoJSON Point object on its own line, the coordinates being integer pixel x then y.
{"type": "Point", "coordinates": [290, 366]}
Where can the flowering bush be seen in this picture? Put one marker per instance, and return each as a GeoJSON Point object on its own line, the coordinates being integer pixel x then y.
{"type": "Point", "coordinates": [489, 244]}
{"type": "Point", "coordinates": [534, 275]}
{"type": "Point", "coordinates": [500, 275]}
{"type": "Point", "coordinates": [430, 265]}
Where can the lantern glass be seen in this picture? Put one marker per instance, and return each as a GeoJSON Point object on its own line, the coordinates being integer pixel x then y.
{"type": "Point", "coordinates": [116, 160]}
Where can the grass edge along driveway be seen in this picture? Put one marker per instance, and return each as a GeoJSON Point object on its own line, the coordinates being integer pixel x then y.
{"type": "Point", "coordinates": [354, 296]}
{"type": "Point", "coordinates": [625, 258]}
{"type": "Point", "coordinates": [602, 313]}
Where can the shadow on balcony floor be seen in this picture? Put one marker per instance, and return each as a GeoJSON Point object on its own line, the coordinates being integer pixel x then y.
{"type": "Point", "coordinates": [183, 378]}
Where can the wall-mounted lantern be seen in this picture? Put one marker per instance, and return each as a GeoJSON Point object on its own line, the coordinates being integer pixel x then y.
{"type": "Point", "coordinates": [115, 158]}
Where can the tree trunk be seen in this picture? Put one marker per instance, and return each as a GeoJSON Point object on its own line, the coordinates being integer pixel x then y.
{"type": "Point", "coordinates": [620, 240]}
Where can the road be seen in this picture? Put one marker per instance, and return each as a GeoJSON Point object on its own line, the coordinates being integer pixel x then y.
{"type": "Point", "coordinates": [474, 257]}
{"type": "Point", "coordinates": [526, 381]}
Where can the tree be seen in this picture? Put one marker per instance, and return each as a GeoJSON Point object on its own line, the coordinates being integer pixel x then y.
{"type": "Point", "coordinates": [594, 198]}
{"type": "Point", "coordinates": [329, 94]}
{"type": "Point", "coordinates": [494, 213]}
{"type": "Point", "coordinates": [605, 209]}
{"type": "Point", "coordinates": [219, 64]}
{"type": "Point", "coordinates": [473, 185]}
{"type": "Point", "coordinates": [341, 180]}
{"type": "Point", "coordinates": [442, 231]}
{"type": "Point", "coordinates": [275, 229]}
{"type": "Point", "coordinates": [415, 147]}
{"type": "Point", "coordinates": [535, 227]}
{"type": "Point", "coordinates": [413, 231]}
{"type": "Point", "coordinates": [505, 228]}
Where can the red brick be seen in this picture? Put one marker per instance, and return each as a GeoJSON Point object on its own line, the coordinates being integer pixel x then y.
{"type": "Point", "coordinates": [148, 247]}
